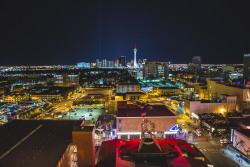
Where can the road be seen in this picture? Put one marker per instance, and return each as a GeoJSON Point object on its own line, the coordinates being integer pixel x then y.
{"type": "Point", "coordinates": [213, 150]}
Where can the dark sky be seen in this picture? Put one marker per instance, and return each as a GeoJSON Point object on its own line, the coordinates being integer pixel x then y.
{"type": "Point", "coordinates": [66, 32]}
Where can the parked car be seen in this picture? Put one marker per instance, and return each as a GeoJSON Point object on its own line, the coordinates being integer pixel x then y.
{"type": "Point", "coordinates": [224, 141]}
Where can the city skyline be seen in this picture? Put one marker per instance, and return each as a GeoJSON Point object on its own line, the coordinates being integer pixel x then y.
{"type": "Point", "coordinates": [125, 83]}
{"type": "Point", "coordinates": [35, 33]}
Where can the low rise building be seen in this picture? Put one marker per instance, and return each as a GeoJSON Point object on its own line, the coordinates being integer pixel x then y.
{"type": "Point", "coordinates": [215, 89]}
{"type": "Point", "coordinates": [128, 87]}
{"type": "Point", "coordinates": [167, 90]}
{"type": "Point", "coordinates": [221, 106]}
{"type": "Point", "coordinates": [130, 116]}
{"type": "Point", "coordinates": [13, 98]}
{"type": "Point", "coordinates": [134, 96]}
{"type": "Point", "coordinates": [108, 91]}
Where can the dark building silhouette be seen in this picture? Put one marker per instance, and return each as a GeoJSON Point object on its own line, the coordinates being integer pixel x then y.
{"type": "Point", "coordinates": [123, 61]}
{"type": "Point", "coordinates": [197, 61]}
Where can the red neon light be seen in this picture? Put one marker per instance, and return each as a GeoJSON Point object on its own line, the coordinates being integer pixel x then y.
{"type": "Point", "coordinates": [82, 124]}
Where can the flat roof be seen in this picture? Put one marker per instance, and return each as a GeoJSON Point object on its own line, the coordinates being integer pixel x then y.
{"type": "Point", "coordinates": [135, 110]}
{"type": "Point", "coordinates": [39, 143]}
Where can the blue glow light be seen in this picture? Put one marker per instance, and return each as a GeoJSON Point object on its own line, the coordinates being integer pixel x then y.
{"type": "Point", "coordinates": [175, 128]}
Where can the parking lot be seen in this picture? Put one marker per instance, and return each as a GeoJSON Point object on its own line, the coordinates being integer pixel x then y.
{"type": "Point", "coordinates": [83, 113]}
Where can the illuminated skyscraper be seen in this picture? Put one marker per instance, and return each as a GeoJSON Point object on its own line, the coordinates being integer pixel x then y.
{"type": "Point", "coordinates": [135, 50]}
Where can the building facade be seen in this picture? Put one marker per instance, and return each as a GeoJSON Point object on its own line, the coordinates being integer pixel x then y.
{"type": "Point", "coordinates": [215, 89]}
{"type": "Point", "coordinates": [66, 80]}
{"type": "Point", "coordinates": [194, 107]}
{"type": "Point", "coordinates": [155, 70]}
{"type": "Point", "coordinates": [123, 61]}
{"type": "Point", "coordinates": [83, 65]}
{"type": "Point", "coordinates": [130, 116]}
{"type": "Point", "coordinates": [123, 88]}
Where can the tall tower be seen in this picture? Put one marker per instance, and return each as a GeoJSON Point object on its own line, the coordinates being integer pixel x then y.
{"type": "Point", "coordinates": [135, 50]}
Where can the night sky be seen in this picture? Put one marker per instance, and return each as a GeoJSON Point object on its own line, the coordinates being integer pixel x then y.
{"type": "Point", "coordinates": [48, 32]}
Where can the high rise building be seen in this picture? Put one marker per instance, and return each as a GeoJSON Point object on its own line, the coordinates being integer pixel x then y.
{"type": "Point", "coordinates": [110, 64]}
{"type": "Point", "coordinates": [104, 63]}
{"type": "Point", "coordinates": [135, 50]}
{"type": "Point", "coordinates": [97, 63]}
{"type": "Point", "coordinates": [155, 70]}
{"type": "Point", "coordinates": [83, 65]}
{"type": "Point", "coordinates": [107, 64]}
{"type": "Point", "coordinates": [197, 61]}
{"type": "Point", "coordinates": [123, 61]}
{"type": "Point", "coordinates": [246, 62]}
{"type": "Point", "coordinates": [66, 80]}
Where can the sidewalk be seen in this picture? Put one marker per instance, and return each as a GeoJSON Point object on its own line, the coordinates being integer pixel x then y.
{"type": "Point", "coordinates": [233, 156]}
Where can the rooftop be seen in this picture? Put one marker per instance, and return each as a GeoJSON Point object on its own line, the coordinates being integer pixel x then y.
{"type": "Point", "coordinates": [135, 110]}
{"type": "Point", "coordinates": [30, 143]}
{"type": "Point", "coordinates": [119, 152]}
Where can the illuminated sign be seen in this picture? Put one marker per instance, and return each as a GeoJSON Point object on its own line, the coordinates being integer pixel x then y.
{"type": "Point", "coordinates": [174, 129]}
{"type": "Point", "coordinates": [232, 134]}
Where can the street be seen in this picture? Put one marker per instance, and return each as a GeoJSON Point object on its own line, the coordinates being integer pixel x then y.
{"type": "Point", "coordinates": [211, 147]}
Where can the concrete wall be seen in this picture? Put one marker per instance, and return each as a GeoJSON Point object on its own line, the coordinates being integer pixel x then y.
{"type": "Point", "coordinates": [85, 148]}
{"type": "Point", "coordinates": [215, 90]}
{"type": "Point", "coordinates": [197, 107]}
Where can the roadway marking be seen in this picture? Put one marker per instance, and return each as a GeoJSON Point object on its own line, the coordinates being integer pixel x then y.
{"type": "Point", "coordinates": [26, 137]}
